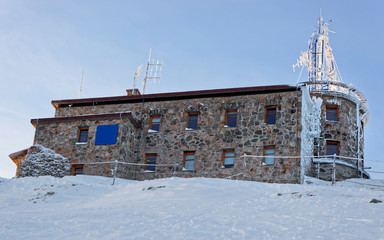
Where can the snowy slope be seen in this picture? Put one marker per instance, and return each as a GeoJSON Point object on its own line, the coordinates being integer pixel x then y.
{"type": "Point", "coordinates": [86, 207]}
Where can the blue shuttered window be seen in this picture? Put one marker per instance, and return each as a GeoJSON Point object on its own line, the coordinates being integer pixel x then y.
{"type": "Point", "coordinates": [106, 134]}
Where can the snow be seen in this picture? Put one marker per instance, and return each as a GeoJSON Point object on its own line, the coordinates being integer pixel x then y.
{"type": "Point", "coordinates": [89, 207]}
{"type": "Point", "coordinates": [310, 121]}
{"type": "Point", "coordinates": [152, 131]}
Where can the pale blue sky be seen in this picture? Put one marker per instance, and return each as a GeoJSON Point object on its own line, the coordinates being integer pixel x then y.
{"type": "Point", "coordinates": [203, 44]}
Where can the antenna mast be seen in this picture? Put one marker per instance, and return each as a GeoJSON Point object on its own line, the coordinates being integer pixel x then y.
{"type": "Point", "coordinates": [153, 71]}
{"type": "Point", "coordinates": [81, 83]}
{"type": "Point", "coordinates": [137, 73]}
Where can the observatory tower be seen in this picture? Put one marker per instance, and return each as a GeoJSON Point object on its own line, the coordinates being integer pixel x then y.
{"type": "Point", "coordinates": [334, 113]}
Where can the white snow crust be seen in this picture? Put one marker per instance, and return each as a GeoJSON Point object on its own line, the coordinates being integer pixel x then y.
{"type": "Point", "coordinates": [310, 121]}
{"type": "Point", "coordinates": [89, 207]}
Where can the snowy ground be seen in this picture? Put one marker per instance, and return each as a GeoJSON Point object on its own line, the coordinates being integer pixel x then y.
{"type": "Point", "coordinates": [86, 207]}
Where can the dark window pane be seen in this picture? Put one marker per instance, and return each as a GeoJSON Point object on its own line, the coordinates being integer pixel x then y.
{"type": "Point", "coordinates": [332, 148]}
{"type": "Point", "coordinates": [270, 117]}
{"type": "Point", "coordinates": [231, 122]}
{"type": "Point", "coordinates": [78, 170]}
{"type": "Point", "coordinates": [83, 136]}
{"type": "Point", "coordinates": [151, 160]}
{"type": "Point", "coordinates": [155, 124]}
{"type": "Point", "coordinates": [331, 113]}
{"type": "Point", "coordinates": [192, 121]}
{"type": "Point", "coordinates": [231, 118]}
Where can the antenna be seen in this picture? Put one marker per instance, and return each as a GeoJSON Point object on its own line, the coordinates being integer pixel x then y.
{"type": "Point", "coordinates": [153, 71]}
{"type": "Point", "coordinates": [137, 73]}
{"type": "Point", "coordinates": [81, 83]}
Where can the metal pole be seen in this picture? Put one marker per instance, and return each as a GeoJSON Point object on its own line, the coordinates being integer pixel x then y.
{"type": "Point", "coordinates": [174, 169]}
{"type": "Point", "coordinates": [114, 172]}
{"type": "Point", "coordinates": [245, 165]}
{"type": "Point", "coordinates": [334, 169]}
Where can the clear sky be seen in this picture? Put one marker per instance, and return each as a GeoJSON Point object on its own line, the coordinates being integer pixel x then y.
{"type": "Point", "coordinates": [204, 45]}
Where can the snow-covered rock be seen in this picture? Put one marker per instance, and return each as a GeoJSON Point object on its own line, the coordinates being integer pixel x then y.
{"type": "Point", "coordinates": [42, 161]}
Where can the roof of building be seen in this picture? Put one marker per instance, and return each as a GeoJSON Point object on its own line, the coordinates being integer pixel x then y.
{"type": "Point", "coordinates": [172, 96]}
{"type": "Point", "coordinates": [14, 155]}
{"type": "Point", "coordinates": [131, 116]}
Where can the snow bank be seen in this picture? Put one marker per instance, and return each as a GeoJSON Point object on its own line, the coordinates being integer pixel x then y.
{"type": "Point", "coordinates": [42, 161]}
{"type": "Point", "coordinates": [85, 207]}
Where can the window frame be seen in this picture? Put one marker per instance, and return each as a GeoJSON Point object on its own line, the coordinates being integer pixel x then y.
{"type": "Point", "coordinates": [224, 157]}
{"type": "Point", "coordinates": [197, 120]}
{"type": "Point", "coordinates": [265, 154]}
{"type": "Point", "coordinates": [332, 107]}
{"type": "Point", "coordinates": [146, 162]}
{"type": "Point", "coordinates": [267, 114]}
{"type": "Point", "coordinates": [186, 153]}
{"type": "Point", "coordinates": [226, 117]}
{"type": "Point", "coordinates": [74, 167]}
{"type": "Point", "coordinates": [333, 143]}
{"type": "Point", "coordinates": [79, 134]}
{"type": "Point", "coordinates": [151, 122]}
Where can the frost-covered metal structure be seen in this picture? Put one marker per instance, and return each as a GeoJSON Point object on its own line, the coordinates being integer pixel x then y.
{"type": "Point", "coordinates": [325, 86]}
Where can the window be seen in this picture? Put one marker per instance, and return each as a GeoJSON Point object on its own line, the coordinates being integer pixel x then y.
{"type": "Point", "coordinates": [270, 115]}
{"type": "Point", "coordinates": [189, 160]}
{"type": "Point", "coordinates": [150, 160]}
{"type": "Point", "coordinates": [269, 153]}
{"type": "Point", "coordinates": [192, 121]}
{"type": "Point", "coordinates": [155, 123]}
{"type": "Point", "coordinates": [332, 148]}
{"type": "Point", "coordinates": [231, 118]}
{"type": "Point", "coordinates": [83, 135]}
{"type": "Point", "coordinates": [229, 157]}
{"type": "Point", "coordinates": [77, 170]}
{"type": "Point", "coordinates": [332, 113]}
{"type": "Point", "coordinates": [106, 134]}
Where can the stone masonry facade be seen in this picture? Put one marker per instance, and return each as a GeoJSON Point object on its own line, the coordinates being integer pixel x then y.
{"type": "Point", "coordinates": [345, 132]}
{"type": "Point", "coordinates": [251, 136]}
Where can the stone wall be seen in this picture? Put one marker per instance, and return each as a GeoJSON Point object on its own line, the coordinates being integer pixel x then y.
{"type": "Point", "coordinates": [250, 136]}
{"type": "Point", "coordinates": [62, 138]}
{"type": "Point", "coordinates": [345, 132]}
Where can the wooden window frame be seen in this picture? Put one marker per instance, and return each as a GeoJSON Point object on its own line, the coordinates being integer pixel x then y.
{"type": "Point", "coordinates": [225, 151]}
{"type": "Point", "coordinates": [337, 112]}
{"type": "Point", "coordinates": [146, 161]}
{"type": "Point", "coordinates": [332, 142]}
{"type": "Point", "coordinates": [185, 159]}
{"type": "Point", "coordinates": [197, 120]}
{"type": "Point", "coordinates": [74, 167]}
{"type": "Point", "coordinates": [150, 123]}
{"type": "Point", "coordinates": [274, 151]}
{"type": "Point", "coordinates": [266, 114]}
{"type": "Point", "coordinates": [226, 117]}
{"type": "Point", "coordinates": [79, 134]}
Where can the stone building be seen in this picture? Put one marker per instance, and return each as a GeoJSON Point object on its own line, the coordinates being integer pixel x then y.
{"type": "Point", "coordinates": [269, 133]}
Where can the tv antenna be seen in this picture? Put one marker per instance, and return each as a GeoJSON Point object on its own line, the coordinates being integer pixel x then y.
{"type": "Point", "coordinates": [81, 83]}
{"type": "Point", "coordinates": [137, 73]}
{"type": "Point", "coordinates": [153, 71]}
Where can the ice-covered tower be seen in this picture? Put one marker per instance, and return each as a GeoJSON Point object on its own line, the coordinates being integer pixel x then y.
{"type": "Point", "coordinates": [334, 113]}
{"type": "Point", "coordinates": [319, 59]}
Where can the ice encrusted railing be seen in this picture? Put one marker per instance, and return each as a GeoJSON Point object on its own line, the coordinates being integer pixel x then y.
{"type": "Point", "coordinates": [245, 167]}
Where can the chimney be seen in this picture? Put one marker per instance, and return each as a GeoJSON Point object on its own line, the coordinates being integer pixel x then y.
{"type": "Point", "coordinates": [131, 92]}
